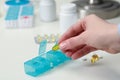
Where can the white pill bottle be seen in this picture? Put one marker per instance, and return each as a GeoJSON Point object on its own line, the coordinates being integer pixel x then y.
{"type": "Point", "coordinates": [68, 16]}
{"type": "Point", "coordinates": [47, 10]}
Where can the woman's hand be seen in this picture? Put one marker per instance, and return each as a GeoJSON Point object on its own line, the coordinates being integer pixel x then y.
{"type": "Point", "coordinates": [90, 34]}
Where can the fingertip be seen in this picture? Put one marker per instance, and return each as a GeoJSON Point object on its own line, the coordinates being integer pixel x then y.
{"type": "Point", "coordinates": [63, 45]}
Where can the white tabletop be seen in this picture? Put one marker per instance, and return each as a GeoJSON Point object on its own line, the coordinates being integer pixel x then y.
{"type": "Point", "coordinates": [18, 45]}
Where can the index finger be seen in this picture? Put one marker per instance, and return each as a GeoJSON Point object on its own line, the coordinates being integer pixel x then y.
{"type": "Point", "coordinates": [74, 30]}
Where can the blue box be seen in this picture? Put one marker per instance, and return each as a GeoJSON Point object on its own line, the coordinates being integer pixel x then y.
{"type": "Point", "coordinates": [45, 62]}
{"type": "Point", "coordinates": [56, 57]}
{"type": "Point", "coordinates": [36, 66]}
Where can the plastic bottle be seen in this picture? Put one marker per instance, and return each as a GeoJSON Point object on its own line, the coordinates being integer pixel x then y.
{"type": "Point", "coordinates": [47, 10]}
{"type": "Point", "coordinates": [68, 16]}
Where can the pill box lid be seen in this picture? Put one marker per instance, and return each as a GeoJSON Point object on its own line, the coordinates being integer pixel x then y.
{"type": "Point", "coordinates": [27, 10]}
{"type": "Point", "coordinates": [12, 13]}
{"type": "Point", "coordinates": [15, 2]}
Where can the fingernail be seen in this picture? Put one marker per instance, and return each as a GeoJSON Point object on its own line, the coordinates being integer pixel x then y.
{"type": "Point", "coordinates": [63, 45]}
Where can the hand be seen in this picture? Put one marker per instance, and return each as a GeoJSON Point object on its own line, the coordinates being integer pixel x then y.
{"type": "Point", "coordinates": [90, 34]}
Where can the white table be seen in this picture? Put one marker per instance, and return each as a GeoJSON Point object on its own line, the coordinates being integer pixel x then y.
{"type": "Point", "coordinates": [18, 45]}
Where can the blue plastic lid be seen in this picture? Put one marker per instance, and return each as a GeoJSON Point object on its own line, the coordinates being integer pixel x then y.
{"type": "Point", "coordinates": [13, 2]}
{"type": "Point", "coordinates": [27, 10]}
{"type": "Point", "coordinates": [12, 13]}
{"type": "Point", "coordinates": [16, 0]}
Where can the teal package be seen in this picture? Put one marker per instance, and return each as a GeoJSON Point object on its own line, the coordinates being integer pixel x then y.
{"type": "Point", "coordinates": [45, 62]}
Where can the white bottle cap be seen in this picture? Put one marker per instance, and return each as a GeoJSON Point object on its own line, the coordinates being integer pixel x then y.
{"type": "Point", "coordinates": [69, 8]}
{"type": "Point", "coordinates": [47, 1]}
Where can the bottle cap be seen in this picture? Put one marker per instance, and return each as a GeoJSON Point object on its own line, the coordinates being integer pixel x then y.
{"type": "Point", "coordinates": [69, 8]}
{"type": "Point", "coordinates": [47, 1]}
{"type": "Point", "coordinates": [14, 3]}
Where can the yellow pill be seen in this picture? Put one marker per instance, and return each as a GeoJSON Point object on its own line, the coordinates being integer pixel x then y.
{"type": "Point", "coordinates": [46, 36]}
{"type": "Point", "coordinates": [95, 57]}
{"type": "Point", "coordinates": [39, 38]}
{"type": "Point", "coordinates": [55, 47]}
{"type": "Point", "coordinates": [93, 60]}
{"type": "Point", "coordinates": [53, 39]}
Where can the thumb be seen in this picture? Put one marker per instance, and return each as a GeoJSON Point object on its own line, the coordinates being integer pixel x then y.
{"type": "Point", "coordinates": [73, 42]}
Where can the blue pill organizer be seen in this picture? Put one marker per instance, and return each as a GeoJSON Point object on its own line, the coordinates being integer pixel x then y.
{"type": "Point", "coordinates": [45, 61]}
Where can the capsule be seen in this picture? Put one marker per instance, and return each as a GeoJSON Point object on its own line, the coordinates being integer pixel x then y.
{"type": "Point", "coordinates": [55, 47]}
{"type": "Point", "coordinates": [93, 60]}
{"type": "Point", "coordinates": [52, 37]}
{"type": "Point", "coordinates": [96, 57]}
{"type": "Point", "coordinates": [46, 36]}
{"type": "Point", "coordinates": [39, 38]}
